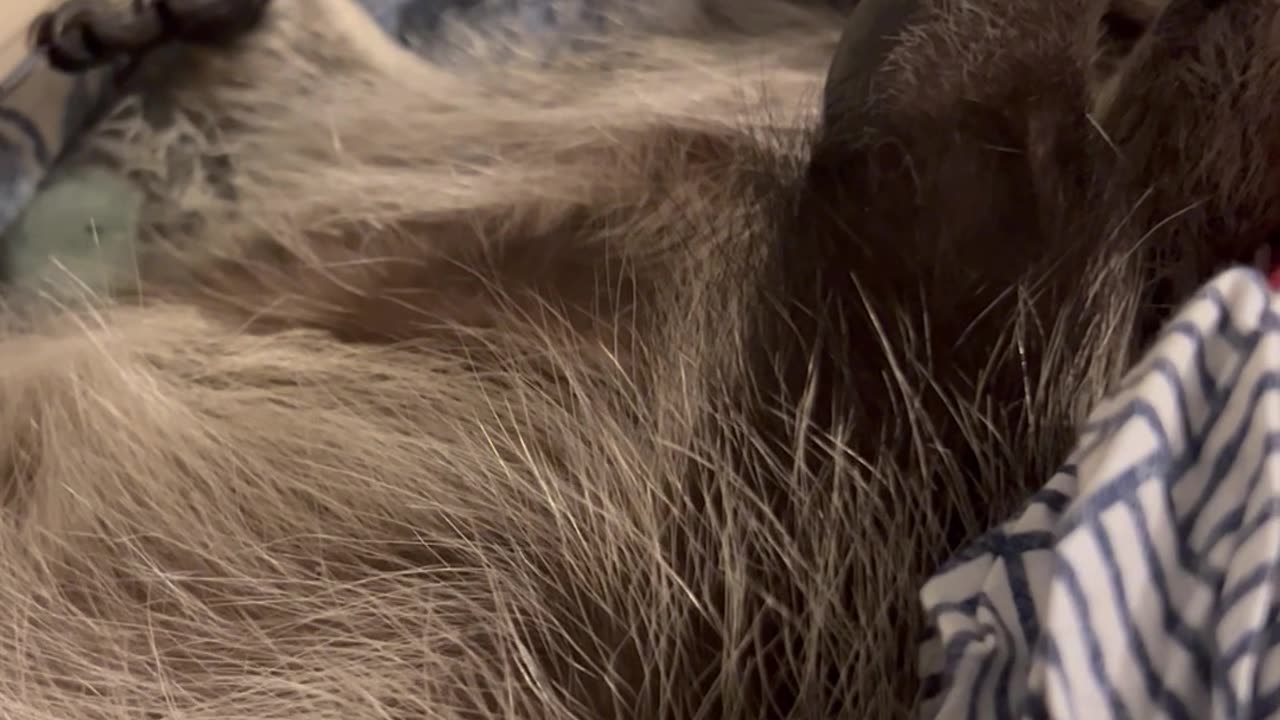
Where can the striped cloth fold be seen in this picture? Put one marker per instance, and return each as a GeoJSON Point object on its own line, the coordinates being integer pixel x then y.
{"type": "Point", "coordinates": [1141, 581]}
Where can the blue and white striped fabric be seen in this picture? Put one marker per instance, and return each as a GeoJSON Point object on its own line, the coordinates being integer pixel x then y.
{"type": "Point", "coordinates": [1142, 581]}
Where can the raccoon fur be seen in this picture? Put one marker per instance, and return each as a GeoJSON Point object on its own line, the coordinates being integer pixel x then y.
{"type": "Point", "coordinates": [644, 381]}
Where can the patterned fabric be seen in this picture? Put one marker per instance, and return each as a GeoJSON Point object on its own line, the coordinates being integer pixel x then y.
{"type": "Point", "coordinates": [40, 112]}
{"type": "Point", "coordinates": [76, 234]}
{"type": "Point", "coordinates": [1143, 581]}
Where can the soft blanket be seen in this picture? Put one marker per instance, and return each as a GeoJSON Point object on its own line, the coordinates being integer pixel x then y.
{"type": "Point", "coordinates": [41, 111]}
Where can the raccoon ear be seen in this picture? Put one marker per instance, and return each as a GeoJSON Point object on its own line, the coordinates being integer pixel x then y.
{"type": "Point", "coordinates": [1118, 34]}
{"type": "Point", "coordinates": [1121, 36]}
{"type": "Point", "coordinates": [871, 32]}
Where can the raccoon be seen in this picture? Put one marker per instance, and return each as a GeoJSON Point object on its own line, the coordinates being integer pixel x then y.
{"type": "Point", "coordinates": [646, 381]}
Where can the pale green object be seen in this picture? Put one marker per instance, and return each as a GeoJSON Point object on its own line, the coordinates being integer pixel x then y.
{"type": "Point", "coordinates": [78, 234]}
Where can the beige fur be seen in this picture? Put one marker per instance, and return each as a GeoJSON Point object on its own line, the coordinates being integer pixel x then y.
{"type": "Point", "coordinates": [211, 524]}
{"type": "Point", "coordinates": [445, 404]}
